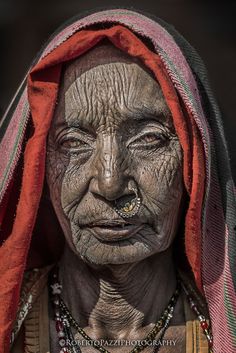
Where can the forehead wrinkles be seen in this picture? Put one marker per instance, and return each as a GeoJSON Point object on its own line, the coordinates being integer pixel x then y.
{"type": "Point", "coordinates": [102, 95]}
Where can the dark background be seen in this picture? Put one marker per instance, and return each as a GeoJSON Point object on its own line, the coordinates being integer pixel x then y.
{"type": "Point", "coordinates": [210, 26]}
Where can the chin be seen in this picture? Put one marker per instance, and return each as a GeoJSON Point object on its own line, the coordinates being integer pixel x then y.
{"type": "Point", "coordinates": [96, 252]}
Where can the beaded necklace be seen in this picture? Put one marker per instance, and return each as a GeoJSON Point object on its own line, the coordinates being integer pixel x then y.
{"type": "Point", "coordinates": [64, 321]}
{"type": "Point", "coordinates": [202, 319]}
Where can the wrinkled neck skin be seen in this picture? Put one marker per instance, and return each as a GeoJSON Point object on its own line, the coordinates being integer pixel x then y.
{"type": "Point", "coordinates": [119, 301]}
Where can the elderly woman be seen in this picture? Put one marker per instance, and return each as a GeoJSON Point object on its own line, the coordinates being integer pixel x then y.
{"type": "Point", "coordinates": [115, 144]}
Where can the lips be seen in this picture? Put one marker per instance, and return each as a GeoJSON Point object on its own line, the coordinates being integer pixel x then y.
{"type": "Point", "coordinates": [115, 230]}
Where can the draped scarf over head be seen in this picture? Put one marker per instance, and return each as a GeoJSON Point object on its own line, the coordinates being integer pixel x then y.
{"type": "Point", "coordinates": [210, 243]}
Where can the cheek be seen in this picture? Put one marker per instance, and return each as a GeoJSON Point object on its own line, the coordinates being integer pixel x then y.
{"type": "Point", "coordinates": [68, 178]}
{"type": "Point", "coordinates": [68, 181]}
{"type": "Point", "coordinates": [160, 178]}
{"type": "Point", "coordinates": [55, 170]}
{"type": "Point", "coordinates": [161, 185]}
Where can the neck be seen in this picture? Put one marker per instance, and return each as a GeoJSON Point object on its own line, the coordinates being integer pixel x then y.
{"type": "Point", "coordinates": [118, 301]}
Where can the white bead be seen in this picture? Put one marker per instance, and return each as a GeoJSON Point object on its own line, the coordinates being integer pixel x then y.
{"type": "Point", "coordinates": [62, 342]}
{"type": "Point", "coordinates": [56, 288]}
{"type": "Point", "coordinates": [61, 334]}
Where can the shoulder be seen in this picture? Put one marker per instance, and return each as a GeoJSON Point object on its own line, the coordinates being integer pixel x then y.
{"type": "Point", "coordinates": [33, 285]}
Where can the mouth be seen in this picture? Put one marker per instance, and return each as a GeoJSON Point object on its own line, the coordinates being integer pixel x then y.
{"type": "Point", "coordinates": [110, 231]}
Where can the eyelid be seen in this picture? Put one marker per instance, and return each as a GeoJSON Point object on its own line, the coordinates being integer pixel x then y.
{"type": "Point", "coordinates": [82, 147]}
{"type": "Point", "coordinates": [73, 133]}
{"type": "Point", "coordinates": [144, 132]}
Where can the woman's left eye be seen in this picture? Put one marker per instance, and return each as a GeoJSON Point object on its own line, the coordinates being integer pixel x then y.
{"type": "Point", "coordinates": [150, 139]}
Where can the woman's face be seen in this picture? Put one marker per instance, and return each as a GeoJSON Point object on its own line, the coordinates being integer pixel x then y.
{"type": "Point", "coordinates": [112, 130]}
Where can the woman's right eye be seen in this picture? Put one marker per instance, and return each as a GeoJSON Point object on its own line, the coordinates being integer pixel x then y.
{"type": "Point", "coordinates": [73, 143]}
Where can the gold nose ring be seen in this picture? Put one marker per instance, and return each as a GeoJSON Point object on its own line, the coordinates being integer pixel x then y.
{"type": "Point", "coordinates": [128, 209]}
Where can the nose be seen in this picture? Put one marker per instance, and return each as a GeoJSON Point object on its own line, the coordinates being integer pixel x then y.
{"type": "Point", "coordinates": [110, 178]}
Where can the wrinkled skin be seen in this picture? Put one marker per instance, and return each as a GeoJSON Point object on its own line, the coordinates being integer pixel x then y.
{"type": "Point", "coordinates": [96, 150]}
{"type": "Point", "coordinates": [112, 130]}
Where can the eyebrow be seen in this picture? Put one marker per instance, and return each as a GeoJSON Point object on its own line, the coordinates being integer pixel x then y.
{"type": "Point", "coordinates": [144, 112]}
{"type": "Point", "coordinates": [69, 122]}
{"type": "Point", "coordinates": [136, 114]}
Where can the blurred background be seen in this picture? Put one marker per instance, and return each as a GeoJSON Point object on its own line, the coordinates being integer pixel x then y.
{"type": "Point", "coordinates": [209, 25]}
